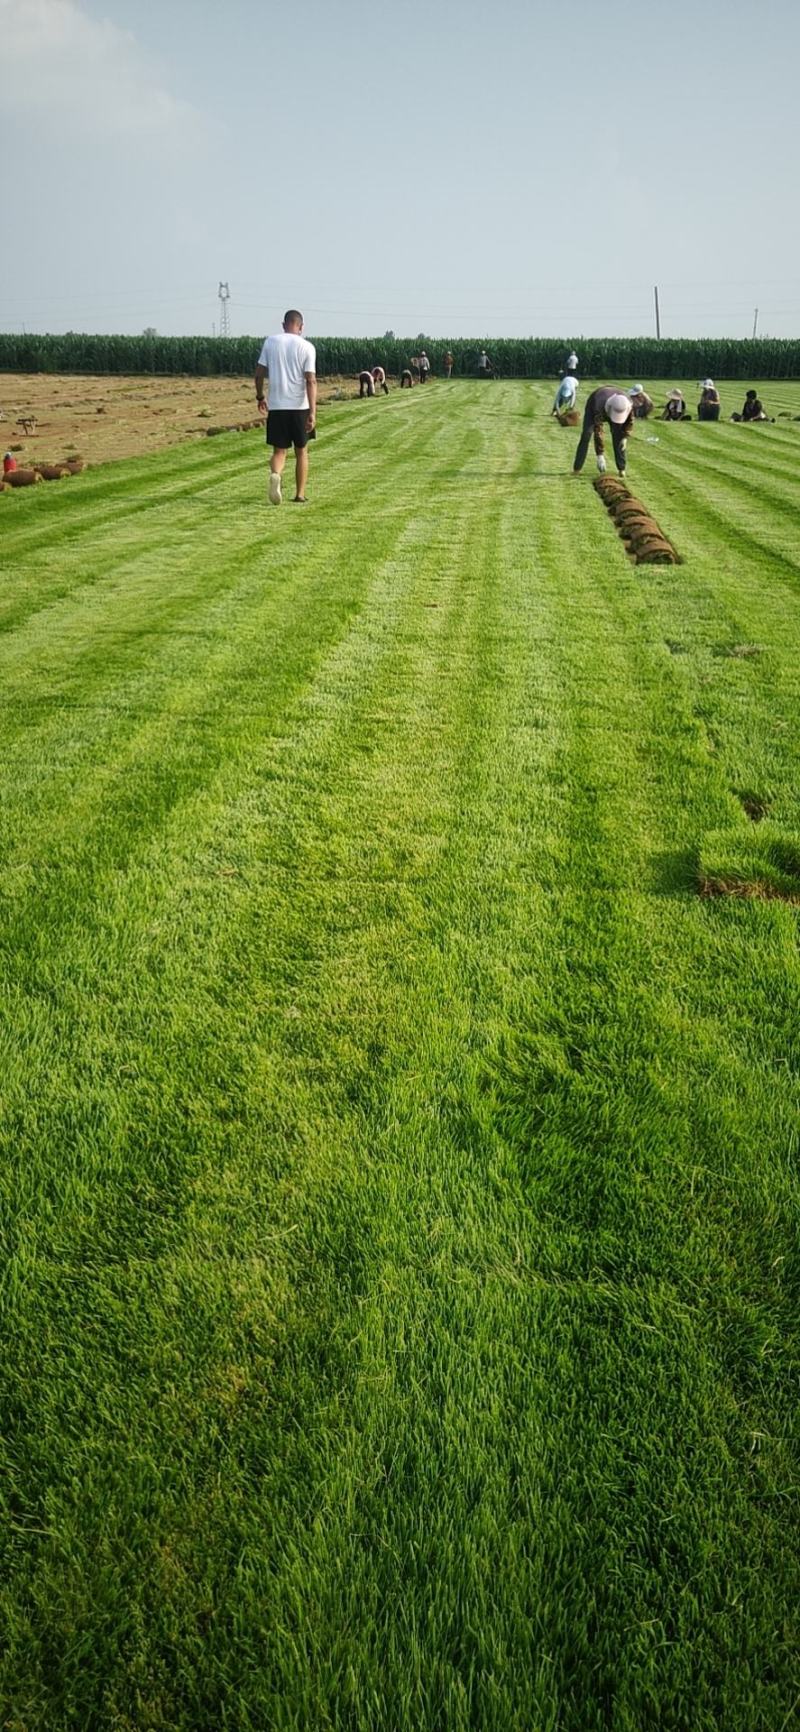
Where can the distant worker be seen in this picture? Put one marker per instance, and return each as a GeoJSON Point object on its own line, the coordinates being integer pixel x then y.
{"type": "Point", "coordinates": [379, 380]}
{"type": "Point", "coordinates": [752, 409]}
{"type": "Point", "coordinates": [448, 365]}
{"type": "Point", "coordinates": [566, 395]}
{"type": "Point", "coordinates": [709, 406]}
{"type": "Point", "coordinates": [642, 404]}
{"type": "Point", "coordinates": [366, 384]}
{"type": "Point", "coordinates": [485, 366]}
{"type": "Point", "coordinates": [571, 363]}
{"type": "Point", "coordinates": [406, 378]}
{"type": "Point", "coordinates": [9, 463]}
{"type": "Point", "coordinates": [287, 365]}
{"type": "Point", "coordinates": [675, 406]}
{"type": "Point", "coordinates": [424, 368]}
{"type": "Point", "coordinates": [607, 407]}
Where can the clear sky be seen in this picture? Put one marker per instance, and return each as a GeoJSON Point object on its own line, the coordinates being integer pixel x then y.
{"type": "Point", "coordinates": [441, 166]}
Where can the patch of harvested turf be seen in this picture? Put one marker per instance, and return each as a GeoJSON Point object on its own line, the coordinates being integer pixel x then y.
{"type": "Point", "coordinates": [753, 804]}
{"type": "Point", "coordinates": [762, 863]}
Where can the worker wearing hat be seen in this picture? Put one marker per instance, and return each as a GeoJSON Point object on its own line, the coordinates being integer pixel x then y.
{"type": "Point", "coordinates": [642, 404]}
{"type": "Point", "coordinates": [607, 407]}
{"type": "Point", "coordinates": [675, 406]}
{"type": "Point", "coordinates": [709, 406]}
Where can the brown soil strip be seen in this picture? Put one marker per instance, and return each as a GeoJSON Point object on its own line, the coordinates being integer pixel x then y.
{"type": "Point", "coordinates": [105, 417]}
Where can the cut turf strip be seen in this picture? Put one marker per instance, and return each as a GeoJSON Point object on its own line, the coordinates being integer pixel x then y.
{"type": "Point", "coordinates": [644, 540]}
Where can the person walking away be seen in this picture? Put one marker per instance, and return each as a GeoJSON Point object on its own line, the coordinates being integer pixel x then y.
{"type": "Point", "coordinates": [366, 384]}
{"type": "Point", "coordinates": [424, 368]}
{"type": "Point", "coordinates": [606, 407]}
{"type": "Point", "coordinates": [485, 367]}
{"type": "Point", "coordinates": [642, 404]}
{"type": "Point", "coordinates": [571, 363]}
{"type": "Point", "coordinates": [448, 365]}
{"type": "Point", "coordinates": [566, 395]}
{"type": "Point", "coordinates": [709, 406]}
{"type": "Point", "coordinates": [379, 380]}
{"type": "Point", "coordinates": [287, 366]}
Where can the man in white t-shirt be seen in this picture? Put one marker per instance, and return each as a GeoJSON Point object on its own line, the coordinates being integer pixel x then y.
{"type": "Point", "coordinates": [288, 366]}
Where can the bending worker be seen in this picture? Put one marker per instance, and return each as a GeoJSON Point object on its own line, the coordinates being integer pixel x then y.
{"type": "Point", "coordinates": [379, 380]}
{"type": "Point", "coordinates": [607, 407]}
{"type": "Point", "coordinates": [566, 395]}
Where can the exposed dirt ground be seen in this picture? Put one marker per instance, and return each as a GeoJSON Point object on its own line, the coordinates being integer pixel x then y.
{"type": "Point", "coordinates": [102, 417]}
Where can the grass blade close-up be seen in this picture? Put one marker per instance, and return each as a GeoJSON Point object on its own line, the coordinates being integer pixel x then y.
{"type": "Point", "coordinates": [400, 1083]}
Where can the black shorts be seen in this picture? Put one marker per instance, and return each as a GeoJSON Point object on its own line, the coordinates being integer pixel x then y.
{"type": "Point", "coordinates": [287, 427]}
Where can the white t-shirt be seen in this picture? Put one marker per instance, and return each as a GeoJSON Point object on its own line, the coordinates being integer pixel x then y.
{"type": "Point", "coordinates": [287, 358]}
{"type": "Point", "coordinates": [567, 393]}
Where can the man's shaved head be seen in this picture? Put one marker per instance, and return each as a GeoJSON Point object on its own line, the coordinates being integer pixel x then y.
{"type": "Point", "coordinates": [293, 321]}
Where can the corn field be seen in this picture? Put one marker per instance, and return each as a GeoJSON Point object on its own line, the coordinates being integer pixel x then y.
{"type": "Point", "coordinates": [514, 358]}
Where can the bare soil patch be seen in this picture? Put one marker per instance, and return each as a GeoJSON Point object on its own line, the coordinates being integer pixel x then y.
{"type": "Point", "coordinates": [105, 417]}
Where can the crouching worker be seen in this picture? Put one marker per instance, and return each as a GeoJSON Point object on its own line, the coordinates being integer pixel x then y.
{"type": "Point", "coordinates": [366, 385]}
{"type": "Point", "coordinates": [406, 379]}
{"type": "Point", "coordinates": [566, 395]}
{"type": "Point", "coordinates": [379, 380]}
{"type": "Point", "coordinates": [607, 407]}
{"type": "Point", "coordinates": [709, 406]}
{"type": "Point", "coordinates": [752, 410]}
{"type": "Point", "coordinates": [642, 404]}
{"type": "Point", "coordinates": [675, 406]}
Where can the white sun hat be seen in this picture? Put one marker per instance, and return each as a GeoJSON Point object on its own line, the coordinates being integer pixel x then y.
{"type": "Point", "coordinates": [618, 407]}
{"type": "Point", "coordinates": [636, 391]}
{"type": "Point", "coordinates": [708, 384]}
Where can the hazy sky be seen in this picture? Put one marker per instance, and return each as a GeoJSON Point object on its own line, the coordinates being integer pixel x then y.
{"type": "Point", "coordinates": [524, 167]}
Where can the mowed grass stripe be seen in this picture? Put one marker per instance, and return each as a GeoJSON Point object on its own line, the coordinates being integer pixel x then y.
{"type": "Point", "coordinates": [158, 652]}
{"type": "Point", "coordinates": [425, 1311]}
{"type": "Point", "coordinates": [338, 984]}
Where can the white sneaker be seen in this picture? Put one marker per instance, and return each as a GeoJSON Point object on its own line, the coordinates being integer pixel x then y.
{"type": "Point", "coordinates": [275, 495]}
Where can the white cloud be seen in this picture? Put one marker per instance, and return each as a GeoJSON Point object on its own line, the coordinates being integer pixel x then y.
{"type": "Point", "coordinates": [85, 71]}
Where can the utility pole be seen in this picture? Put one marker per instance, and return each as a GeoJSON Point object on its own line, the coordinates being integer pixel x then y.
{"type": "Point", "coordinates": [755, 324]}
{"type": "Point", "coordinates": [658, 316]}
{"type": "Point", "coordinates": [223, 296]}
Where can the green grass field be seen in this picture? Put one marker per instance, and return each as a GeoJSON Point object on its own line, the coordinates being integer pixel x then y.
{"type": "Point", "coordinates": [400, 1178]}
